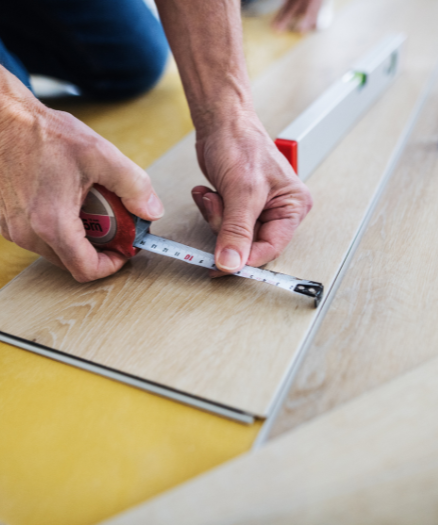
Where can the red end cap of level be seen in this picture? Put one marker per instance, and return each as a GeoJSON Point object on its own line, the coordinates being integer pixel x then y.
{"type": "Point", "coordinates": [289, 148]}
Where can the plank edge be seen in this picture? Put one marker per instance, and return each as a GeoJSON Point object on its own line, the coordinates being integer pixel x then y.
{"type": "Point", "coordinates": [130, 380]}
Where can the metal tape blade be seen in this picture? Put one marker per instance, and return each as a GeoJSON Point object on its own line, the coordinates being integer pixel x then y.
{"type": "Point", "coordinates": [175, 250]}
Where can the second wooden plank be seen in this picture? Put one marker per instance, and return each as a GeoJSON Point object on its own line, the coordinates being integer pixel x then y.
{"type": "Point", "coordinates": [383, 319]}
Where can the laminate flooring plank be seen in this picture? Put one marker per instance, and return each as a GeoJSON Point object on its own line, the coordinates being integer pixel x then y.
{"type": "Point", "coordinates": [383, 320]}
{"type": "Point", "coordinates": [371, 461]}
{"type": "Point", "coordinates": [231, 341]}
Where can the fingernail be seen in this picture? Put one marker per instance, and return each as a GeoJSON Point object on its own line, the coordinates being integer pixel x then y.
{"type": "Point", "coordinates": [229, 259]}
{"type": "Point", "coordinates": [154, 207]}
{"type": "Point", "coordinates": [208, 204]}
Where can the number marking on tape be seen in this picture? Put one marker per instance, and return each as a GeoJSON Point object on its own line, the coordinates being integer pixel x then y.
{"type": "Point", "coordinates": [155, 244]}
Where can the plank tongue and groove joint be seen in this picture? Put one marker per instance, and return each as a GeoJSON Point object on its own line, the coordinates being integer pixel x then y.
{"type": "Point", "coordinates": [313, 135]}
{"type": "Point", "coordinates": [224, 345]}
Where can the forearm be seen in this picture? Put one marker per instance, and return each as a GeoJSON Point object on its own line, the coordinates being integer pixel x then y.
{"type": "Point", "coordinates": [257, 201]}
{"type": "Point", "coordinates": [20, 113]}
{"type": "Point", "coordinates": [206, 40]}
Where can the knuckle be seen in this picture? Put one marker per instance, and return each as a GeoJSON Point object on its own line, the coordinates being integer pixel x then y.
{"type": "Point", "coordinates": [296, 217]}
{"type": "Point", "coordinates": [298, 201]}
{"type": "Point", "coordinates": [141, 180]}
{"type": "Point", "coordinates": [66, 117]}
{"type": "Point", "coordinates": [309, 201]}
{"type": "Point", "coordinates": [68, 120]}
{"type": "Point", "coordinates": [276, 252]}
{"type": "Point", "coordinates": [77, 130]}
{"type": "Point", "coordinates": [21, 238]}
{"type": "Point", "coordinates": [249, 185]}
{"type": "Point", "coordinates": [90, 148]}
{"type": "Point", "coordinates": [82, 278]}
{"type": "Point", "coordinates": [305, 199]}
{"type": "Point", "coordinates": [236, 229]}
{"type": "Point", "coordinates": [101, 146]}
{"type": "Point", "coordinates": [44, 224]}
{"type": "Point", "coordinates": [82, 274]}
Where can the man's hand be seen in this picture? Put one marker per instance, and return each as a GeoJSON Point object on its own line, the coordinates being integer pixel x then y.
{"type": "Point", "coordinates": [48, 162]}
{"type": "Point", "coordinates": [298, 15]}
{"type": "Point", "coordinates": [259, 201]}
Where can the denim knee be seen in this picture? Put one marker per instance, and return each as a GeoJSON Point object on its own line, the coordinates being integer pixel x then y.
{"type": "Point", "coordinates": [14, 65]}
{"type": "Point", "coordinates": [132, 72]}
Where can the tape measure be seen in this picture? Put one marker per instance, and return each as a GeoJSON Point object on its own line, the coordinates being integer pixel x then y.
{"type": "Point", "coordinates": [110, 226]}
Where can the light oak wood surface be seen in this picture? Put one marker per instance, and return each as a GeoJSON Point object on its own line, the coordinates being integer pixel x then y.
{"type": "Point", "coordinates": [227, 340]}
{"type": "Point", "coordinates": [373, 461]}
{"type": "Point", "coordinates": [383, 320]}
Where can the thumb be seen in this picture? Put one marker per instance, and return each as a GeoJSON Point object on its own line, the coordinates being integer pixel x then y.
{"type": "Point", "coordinates": [132, 184]}
{"type": "Point", "coordinates": [236, 235]}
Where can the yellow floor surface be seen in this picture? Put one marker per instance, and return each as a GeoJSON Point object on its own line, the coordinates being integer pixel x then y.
{"type": "Point", "coordinates": [75, 447]}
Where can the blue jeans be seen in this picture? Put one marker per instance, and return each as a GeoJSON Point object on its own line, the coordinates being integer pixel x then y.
{"type": "Point", "coordinates": [110, 49]}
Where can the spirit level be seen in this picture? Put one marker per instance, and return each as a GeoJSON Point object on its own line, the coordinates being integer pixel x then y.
{"type": "Point", "coordinates": [314, 134]}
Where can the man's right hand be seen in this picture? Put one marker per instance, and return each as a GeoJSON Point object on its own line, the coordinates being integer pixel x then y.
{"type": "Point", "coordinates": [48, 162]}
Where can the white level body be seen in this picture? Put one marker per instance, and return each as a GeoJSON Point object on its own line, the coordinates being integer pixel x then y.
{"type": "Point", "coordinates": [333, 114]}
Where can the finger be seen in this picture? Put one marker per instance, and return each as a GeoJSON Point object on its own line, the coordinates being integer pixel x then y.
{"type": "Point", "coordinates": [309, 19]}
{"type": "Point", "coordinates": [237, 230]}
{"type": "Point", "coordinates": [295, 212]}
{"type": "Point", "coordinates": [23, 236]}
{"type": "Point", "coordinates": [41, 248]}
{"type": "Point", "coordinates": [272, 239]}
{"type": "Point", "coordinates": [211, 206]}
{"type": "Point", "coordinates": [198, 193]}
{"type": "Point", "coordinates": [217, 273]}
{"type": "Point", "coordinates": [278, 224]}
{"type": "Point", "coordinates": [307, 23]}
{"type": "Point", "coordinates": [215, 210]}
{"type": "Point", "coordinates": [127, 180]}
{"type": "Point", "coordinates": [66, 237]}
{"type": "Point", "coordinates": [287, 14]}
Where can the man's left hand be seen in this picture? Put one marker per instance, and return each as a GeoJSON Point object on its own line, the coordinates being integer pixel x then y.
{"type": "Point", "coordinates": [259, 201]}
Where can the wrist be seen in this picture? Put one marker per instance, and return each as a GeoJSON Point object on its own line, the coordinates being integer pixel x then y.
{"type": "Point", "coordinates": [233, 121]}
{"type": "Point", "coordinates": [230, 109]}
{"type": "Point", "coordinates": [17, 103]}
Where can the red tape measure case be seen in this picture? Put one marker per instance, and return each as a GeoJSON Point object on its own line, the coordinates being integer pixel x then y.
{"type": "Point", "coordinates": [108, 224]}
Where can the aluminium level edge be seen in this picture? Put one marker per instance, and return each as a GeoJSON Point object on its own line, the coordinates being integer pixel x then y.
{"type": "Point", "coordinates": [325, 123]}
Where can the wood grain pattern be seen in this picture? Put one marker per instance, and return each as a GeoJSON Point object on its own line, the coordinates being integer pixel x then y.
{"type": "Point", "coordinates": [372, 461]}
{"type": "Point", "coordinates": [383, 319]}
{"type": "Point", "coordinates": [227, 340]}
